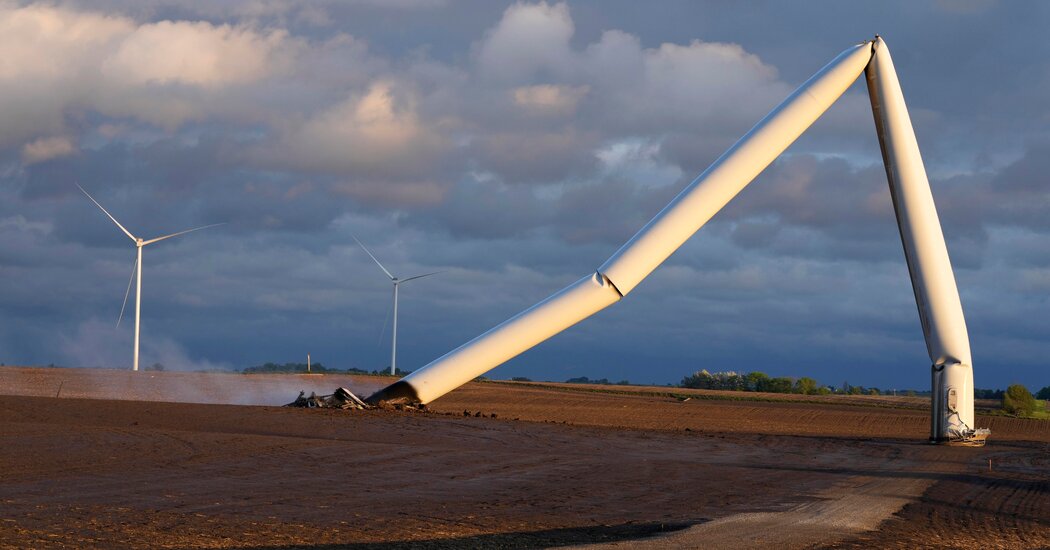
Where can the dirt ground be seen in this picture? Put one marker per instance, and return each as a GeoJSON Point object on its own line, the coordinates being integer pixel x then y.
{"type": "Point", "coordinates": [155, 460]}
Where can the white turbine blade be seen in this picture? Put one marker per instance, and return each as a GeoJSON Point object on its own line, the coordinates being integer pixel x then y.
{"type": "Point", "coordinates": [127, 292]}
{"type": "Point", "coordinates": [419, 276]}
{"type": "Point", "coordinates": [386, 321]}
{"type": "Point", "coordinates": [144, 243]}
{"type": "Point", "coordinates": [370, 255]}
{"type": "Point", "coordinates": [126, 232]}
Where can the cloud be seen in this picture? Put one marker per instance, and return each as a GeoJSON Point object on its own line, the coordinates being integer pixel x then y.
{"type": "Point", "coordinates": [530, 40]}
{"type": "Point", "coordinates": [549, 98]}
{"type": "Point", "coordinates": [614, 88]}
{"type": "Point", "coordinates": [378, 131]}
{"type": "Point", "coordinates": [195, 54]}
{"type": "Point", "coordinates": [60, 62]}
{"type": "Point", "coordinates": [47, 148]}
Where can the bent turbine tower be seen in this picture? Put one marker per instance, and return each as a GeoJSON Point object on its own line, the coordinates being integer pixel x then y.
{"type": "Point", "coordinates": [936, 295]}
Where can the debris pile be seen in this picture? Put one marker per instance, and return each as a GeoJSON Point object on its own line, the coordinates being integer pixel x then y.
{"type": "Point", "coordinates": [345, 399]}
{"type": "Point", "coordinates": [342, 398]}
{"type": "Point", "coordinates": [969, 438]}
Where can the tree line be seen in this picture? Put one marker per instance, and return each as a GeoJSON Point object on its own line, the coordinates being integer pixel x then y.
{"type": "Point", "coordinates": [761, 382]}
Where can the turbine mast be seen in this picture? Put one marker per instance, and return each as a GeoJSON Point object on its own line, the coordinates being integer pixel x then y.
{"type": "Point", "coordinates": [138, 303]}
{"type": "Point", "coordinates": [936, 294]}
{"type": "Point", "coordinates": [393, 344]}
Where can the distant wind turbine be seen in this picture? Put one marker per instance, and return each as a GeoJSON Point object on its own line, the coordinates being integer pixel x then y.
{"type": "Point", "coordinates": [396, 281]}
{"type": "Point", "coordinates": [139, 243]}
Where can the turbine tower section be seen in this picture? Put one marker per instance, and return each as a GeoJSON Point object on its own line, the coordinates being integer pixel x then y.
{"type": "Point", "coordinates": [936, 295]}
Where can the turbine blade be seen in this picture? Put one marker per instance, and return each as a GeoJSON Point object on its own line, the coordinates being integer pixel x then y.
{"type": "Point", "coordinates": [386, 321]}
{"type": "Point", "coordinates": [135, 268]}
{"type": "Point", "coordinates": [370, 255]}
{"type": "Point", "coordinates": [126, 232]}
{"type": "Point", "coordinates": [151, 241]}
{"type": "Point", "coordinates": [419, 276]}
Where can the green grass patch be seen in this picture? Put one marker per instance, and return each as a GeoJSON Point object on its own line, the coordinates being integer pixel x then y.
{"type": "Point", "coordinates": [1041, 412]}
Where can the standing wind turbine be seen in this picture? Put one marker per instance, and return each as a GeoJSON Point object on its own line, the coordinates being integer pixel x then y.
{"type": "Point", "coordinates": [396, 281]}
{"type": "Point", "coordinates": [139, 243]}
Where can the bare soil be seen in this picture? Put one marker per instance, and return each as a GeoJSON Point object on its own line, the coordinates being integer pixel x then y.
{"type": "Point", "coordinates": [151, 460]}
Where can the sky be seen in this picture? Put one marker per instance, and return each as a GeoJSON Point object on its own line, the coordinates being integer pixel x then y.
{"type": "Point", "coordinates": [514, 147]}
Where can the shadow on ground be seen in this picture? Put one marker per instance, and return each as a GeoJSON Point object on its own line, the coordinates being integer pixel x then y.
{"type": "Point", "coordinates": [549, 538]}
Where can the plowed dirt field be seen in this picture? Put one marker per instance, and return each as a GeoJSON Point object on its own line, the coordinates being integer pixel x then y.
{"type": "Point", "coordinates": [184, 460]}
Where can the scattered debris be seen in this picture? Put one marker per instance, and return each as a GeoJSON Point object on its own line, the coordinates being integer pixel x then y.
{"type": "Point", "coordinates": [342, 398]}
{"type": "Point", "coordinates": [401, 406]}
{"type": "Point", "coordinates": [345, 399]}
{"type": "Point", "coordinates": [479, 414]}
{"type": "Point", "coordinates": [969, 438]}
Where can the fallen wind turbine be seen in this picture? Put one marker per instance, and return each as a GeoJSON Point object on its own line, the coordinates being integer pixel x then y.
{"type": "Point", "coordinates": [136, 273]}
{"type": "Point", "coordinates": [933, 282]}
{"type": "Point", "coordinates": [397, 282]}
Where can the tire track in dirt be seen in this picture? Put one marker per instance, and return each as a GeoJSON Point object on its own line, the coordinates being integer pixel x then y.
{"type": "Point", "coordinates": [856, 505]}
{"type": "Point", "coordinates": [1006, 507]}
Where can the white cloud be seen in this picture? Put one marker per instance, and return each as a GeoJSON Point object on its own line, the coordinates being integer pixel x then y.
{"type": "Point", "coordinates": [47, 149]}
{"type": "Point", "coordinates": [530, 38]}
{"type": "Point", "coordinates": [47, 42]}
{"type": "Point", "coordinates": [549, 98]}
{"type": "Point", "coordinates": [195, 54]}
{"type": "Point", "coordinates": [59, 62]}
{"type": "Point", "coordinates": [378, 131]}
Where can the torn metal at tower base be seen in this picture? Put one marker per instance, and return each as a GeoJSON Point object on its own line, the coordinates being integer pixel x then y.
{"type": "Point", "coordinates": [341, 398]}
{"type": "Point", "coordinates": [933, 282]}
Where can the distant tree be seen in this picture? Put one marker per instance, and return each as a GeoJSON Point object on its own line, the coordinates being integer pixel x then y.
{"type": "Point", "coordinates": [756, 381]}
{"type": "Point", "coordinates": [701, 380]}
{"type": "Point", "coordinates": [521, 379]}
{"type": "Point", "coordinates": [273, 368]}
{"type": "Point", "coordinates": [987, 394]}
{"type": "Point", "coordinates": [1041, 394]}
{"type": "Point", "coordinates": [155, 367]}
{"type": "Point", "coordinates": [780, 384]}
{"type": "Point", "coordinates": [704, 380]}
{"type": "Point", "coordinates": [874, 391]}
{"type": "Point", "coordinates": [1018, 401]}
{"type": "Point", "coordinates": [578, 380]}
{"type": "Point", "coordinates": [856, 390]}
{"type": "Point", "coordinates": [806, 385]}
{"type": "Point", "coordinates": [824, 390]}
{"type": "Point", "coordinates": [623, 383]}
{"type": "Point", "coordinates": [910, 393]}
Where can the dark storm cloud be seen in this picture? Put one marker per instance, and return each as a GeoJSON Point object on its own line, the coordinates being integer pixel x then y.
{"type": "Point", "coordinates": [515, 147]}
